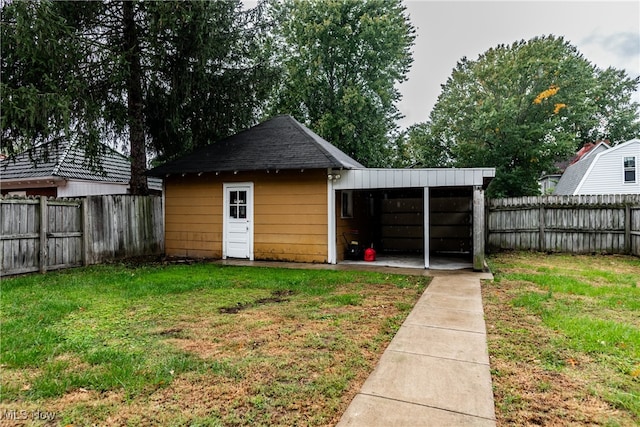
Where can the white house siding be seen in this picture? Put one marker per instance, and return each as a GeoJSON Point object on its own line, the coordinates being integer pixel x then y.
{"type": "Point", "coordinates": [606, 173]}
{"type": "Point", "coordinates": [76, 188]}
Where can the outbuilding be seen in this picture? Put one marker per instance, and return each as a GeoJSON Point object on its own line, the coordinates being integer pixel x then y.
{"type": "Point", "coordinates": [278, 191]}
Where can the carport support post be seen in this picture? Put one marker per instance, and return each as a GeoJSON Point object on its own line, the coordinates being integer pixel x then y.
{"type": "Point", "coordinates": [478, 228]}
{"type": "Point", "coordinates": [426, 227]}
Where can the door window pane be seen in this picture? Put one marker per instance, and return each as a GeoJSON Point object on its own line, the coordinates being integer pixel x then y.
{"type": "Point", "coordinates": [238, 204]}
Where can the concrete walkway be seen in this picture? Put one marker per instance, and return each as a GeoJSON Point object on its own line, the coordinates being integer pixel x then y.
{"type": "Point", "coordinates": [435, 371]}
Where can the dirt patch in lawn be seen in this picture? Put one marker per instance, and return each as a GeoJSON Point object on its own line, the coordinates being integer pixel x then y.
{"type": "Point", "coordinates": [286, 359]}
{"type": "Point", "coordinates": [276, 296]}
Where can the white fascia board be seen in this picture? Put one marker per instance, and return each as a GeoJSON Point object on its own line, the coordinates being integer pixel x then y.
{"type": "Point", "coordinates": [361, 179]}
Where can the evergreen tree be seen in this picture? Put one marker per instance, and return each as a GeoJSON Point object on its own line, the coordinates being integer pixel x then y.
{"type": "Point", "coordinates": [165, 76]}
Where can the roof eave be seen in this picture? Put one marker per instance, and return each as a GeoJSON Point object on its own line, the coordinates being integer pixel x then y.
{"type": "Point", "coordinates": [41, 181]}
{"type": "Point", "coordinates": [160, 173]}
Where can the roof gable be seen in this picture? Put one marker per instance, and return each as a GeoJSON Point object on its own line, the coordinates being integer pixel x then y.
{"type": "Point", "coordinates": [279, 143]}
{"type": "Point", "coordinates": [622, 146]}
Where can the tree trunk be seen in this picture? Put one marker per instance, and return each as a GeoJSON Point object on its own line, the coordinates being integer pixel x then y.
{"type": "Point", "coordinates": [138, 183]}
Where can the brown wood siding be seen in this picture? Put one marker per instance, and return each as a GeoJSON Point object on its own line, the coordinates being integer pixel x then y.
{"type": "Point", "coordinates": [193, 216]}
{"type": "Point", "coordinates": [290, 215]}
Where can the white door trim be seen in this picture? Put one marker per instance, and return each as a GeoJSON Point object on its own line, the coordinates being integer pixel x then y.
{"type": "Point", "coordinates": [225, 216]}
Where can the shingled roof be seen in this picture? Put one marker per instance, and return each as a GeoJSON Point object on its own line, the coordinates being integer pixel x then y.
{"type": "Point", "coordinates": [279, 143]}
{"type": "Point", "coordinates": [65, 161]}
{"type": "Point", "coordinates": [68, 161]}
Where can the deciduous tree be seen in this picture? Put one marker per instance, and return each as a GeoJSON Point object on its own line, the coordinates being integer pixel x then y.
{"type": "Point", "coordinates": [520, 108]}
{"type": "Point", "coordinates": [342, 61]}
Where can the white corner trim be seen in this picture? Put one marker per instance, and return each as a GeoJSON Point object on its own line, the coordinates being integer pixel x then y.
{"type": "Point", "coordinates": [331, 223]}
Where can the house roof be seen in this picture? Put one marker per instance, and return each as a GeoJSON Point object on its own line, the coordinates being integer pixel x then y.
{"type": "Point", "coordinates": [573, 174]}
{"type": "Point", "coordinates": [279, 143]}
{"type": "Point", "coordinates": [67, 161]}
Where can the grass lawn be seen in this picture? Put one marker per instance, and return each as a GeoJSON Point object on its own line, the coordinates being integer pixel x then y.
{"type": "Point", "coordinates": [564, 339]}
{"type": "Point", "coordinates": [197, 344]}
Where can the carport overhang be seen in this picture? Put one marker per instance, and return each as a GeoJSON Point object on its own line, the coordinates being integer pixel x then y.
{"type": "Point", "coordinates": [382, 179]}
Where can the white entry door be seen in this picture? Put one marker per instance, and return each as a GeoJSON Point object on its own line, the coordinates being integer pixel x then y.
{"type": "Point", "coordinates": [238, 221]}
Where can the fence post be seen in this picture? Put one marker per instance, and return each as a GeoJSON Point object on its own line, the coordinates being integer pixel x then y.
{"type": "Point", "coordinates": [43, 261]}
{"type": "Point", "coordinates": [85, 231]}
{"type": "Point", "coordinates": [541, 244]}
{"type": "Point", "coordinates": [487, 202]}
{"type": "Point", "coordinates": [627, 229]}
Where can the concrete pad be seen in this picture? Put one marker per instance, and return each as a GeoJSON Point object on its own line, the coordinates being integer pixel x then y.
{"type": "Point", "coordinates": [453, 263]}
{"type": "Point", "coordinates": [373, 411]}
{"type": "Point", "coordinates": [448, 319]}
{"type": "Point", "coordinates": [447, 384]}
{"type": "Point", "coordinates": [446, 343]}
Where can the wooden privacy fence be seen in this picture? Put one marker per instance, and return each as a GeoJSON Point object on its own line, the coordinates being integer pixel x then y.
{"type": "Point", "coordinates": [40, 234]}
{"type": "Point", "coordinates": [574, 224]}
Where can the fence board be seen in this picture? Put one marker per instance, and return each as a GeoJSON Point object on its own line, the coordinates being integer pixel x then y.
{"type": "Point", "coordinates": [47, 234]}
{"type": "Point", "coordinates": [575, 224]}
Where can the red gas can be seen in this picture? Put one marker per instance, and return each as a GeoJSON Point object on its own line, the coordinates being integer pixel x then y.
{"type": "Point", "coordinates": [370, 254]}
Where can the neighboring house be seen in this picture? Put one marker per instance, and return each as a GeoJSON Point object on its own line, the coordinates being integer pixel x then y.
{"type": "Point", "coordinates": [63, 171]}
{"type": "Point", "coordinates": [549, 180]}
{"type": "Point", "coordinates": [278, 191]}
{"type": "Point", "coordinates": [548, 183]}
{"type": "Point", "coordinates": [603, 170]}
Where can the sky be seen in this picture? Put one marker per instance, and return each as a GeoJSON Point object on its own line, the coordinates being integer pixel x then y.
{"type": "Point", "coordinates": [607, 33]}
